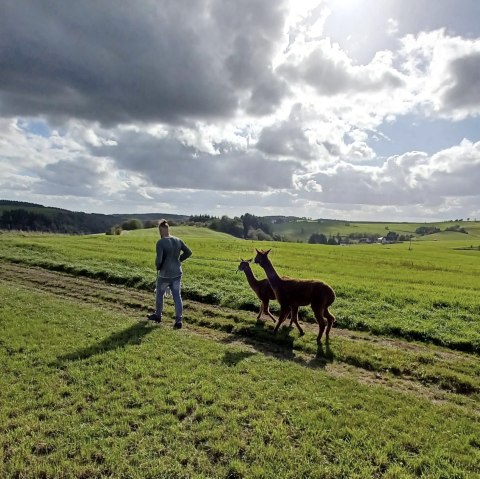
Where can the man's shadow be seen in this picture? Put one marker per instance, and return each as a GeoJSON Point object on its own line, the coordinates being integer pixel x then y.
{"type": "Point", "coordinates": [130, 336]}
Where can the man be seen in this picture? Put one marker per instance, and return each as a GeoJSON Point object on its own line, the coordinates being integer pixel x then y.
{"type": "Point", "coordinates": [171, 252]}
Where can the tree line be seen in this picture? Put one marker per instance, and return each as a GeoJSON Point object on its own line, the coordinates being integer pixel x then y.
{"type": "Point", "coordinates": [247, 226]}
{"type": "Point", "coordinates": [54, 221]}
{"type": "Point", "coordinates": [22, 216]}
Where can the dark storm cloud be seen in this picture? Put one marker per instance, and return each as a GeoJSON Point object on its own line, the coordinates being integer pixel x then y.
{"type": "Point", "coordinates": [118, 62]}
{"type": "Point", "coordinates": [465, 89]}
{"type": "Point", "coordinates": [170, 163]}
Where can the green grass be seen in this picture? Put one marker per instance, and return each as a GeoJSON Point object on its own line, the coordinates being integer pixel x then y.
{"type": "Point", "coordinates": [429, 293]}
{"type": "Point", "coordinates": [87, 392]}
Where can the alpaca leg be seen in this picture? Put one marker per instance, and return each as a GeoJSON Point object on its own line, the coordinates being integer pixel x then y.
{"type": "Point", "coordinates": [259, 315]}
{"type": "Point", "coordinates": [283, 314]}
{"type": "Point", "coordinates": [266, 310]}
{"type": "Point", "coordinates": [330, 322]}
{"type": "Point", "coordinates": [318, 311]}
{"type": "Point", "coordinates": [294, 319]}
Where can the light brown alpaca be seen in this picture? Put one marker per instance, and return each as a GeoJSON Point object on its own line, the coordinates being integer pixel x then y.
{"type": "Point", "coordinates": [293, 293]}
{"type": "Point", "coordinates": [262, 289]}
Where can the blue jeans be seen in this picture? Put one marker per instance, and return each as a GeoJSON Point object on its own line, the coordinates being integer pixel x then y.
{"type": "Point", "coordinates": [175, 285]}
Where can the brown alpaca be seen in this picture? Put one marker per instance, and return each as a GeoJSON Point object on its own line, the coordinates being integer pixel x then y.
{"type": "Point", "coordinates": [293, 293]}
{"type": "Point", "coordinates": [262, 289]}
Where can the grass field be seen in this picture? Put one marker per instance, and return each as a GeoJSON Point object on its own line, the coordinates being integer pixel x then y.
{"type": "Point", "coordinates": [89, 391]}
{"type": "Point", "coordinates": [428, 292]}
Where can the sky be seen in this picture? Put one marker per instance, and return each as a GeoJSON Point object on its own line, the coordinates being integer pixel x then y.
{"type": "Point", "coordinates": [347, 109]}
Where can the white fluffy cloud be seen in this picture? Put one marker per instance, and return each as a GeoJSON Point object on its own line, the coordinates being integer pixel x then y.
{"type": "Point", "coordinates": [411, 179]}
{"type": "Point", "coordinates": [445, 73]}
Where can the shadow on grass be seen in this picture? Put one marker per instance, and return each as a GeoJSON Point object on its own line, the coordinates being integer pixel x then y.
{"type": "Point", "coordinates": [323, 356]}
{"type": "Point", "coordinates": [260, 337]}
{"type": "Point", "coordinates": [130, 336]}
{"type": "Point", "coordinates": [232, 358]}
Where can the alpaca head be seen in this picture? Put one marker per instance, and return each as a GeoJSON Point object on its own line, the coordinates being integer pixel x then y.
{"type": "Point", "coordinates": [262, 257]}
{"type": "Point", "coordinates": [244, 265]}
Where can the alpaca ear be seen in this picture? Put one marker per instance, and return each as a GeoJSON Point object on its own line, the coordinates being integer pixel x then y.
{"type": "Point", "coordinates": [241, 259]}
{"type": "Point", "coordinates": [257, 250]}
{"type": "Point", "coordinates": [268, 251]}
{"type": "Point", "coordinates": [249, 260]}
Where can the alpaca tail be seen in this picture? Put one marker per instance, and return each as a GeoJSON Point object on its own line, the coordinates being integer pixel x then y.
{"type": "Point", "coordinates": [330, 296]}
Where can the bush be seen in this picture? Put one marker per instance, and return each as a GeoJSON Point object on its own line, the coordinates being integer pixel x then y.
{"type": "Point", "coordinates": [427, 230]}
{"type": "Point", "coordinates": [133, 224]}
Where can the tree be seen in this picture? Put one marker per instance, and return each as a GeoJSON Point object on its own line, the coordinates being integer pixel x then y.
{"type": "Point", "coordinates": [227, 225]}
{"type": "Point", "coordinates": [318, 238]}
{"type": "Point", "coordinates": [392, 236]}
{"type": "Point", "coordinates": [332, 241]}
{"type": "Point", "coordinates": [250, 221]}
{"type": "Point", "coordinates": [150, 224]}
{"type": "Point", "coordinates": [133, 224]}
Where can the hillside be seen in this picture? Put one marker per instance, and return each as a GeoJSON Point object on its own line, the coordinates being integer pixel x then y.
{"type": "Point", "coordinates": [23, 216]}
{"type": "Point", "coordinates": [301, 230]}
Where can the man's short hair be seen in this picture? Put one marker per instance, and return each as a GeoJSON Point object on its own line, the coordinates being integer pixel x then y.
{"type": "Point", "coordinates": [163, 224]}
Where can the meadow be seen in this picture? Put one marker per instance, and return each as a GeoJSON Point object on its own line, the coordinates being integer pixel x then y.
{"type": "Point", "coordinates": [428, 291]}
{"type": "Point", "coordinates": [88, 390]}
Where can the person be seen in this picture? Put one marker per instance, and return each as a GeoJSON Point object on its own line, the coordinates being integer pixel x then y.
{"type": "Point", "coordinates": [171, 252]}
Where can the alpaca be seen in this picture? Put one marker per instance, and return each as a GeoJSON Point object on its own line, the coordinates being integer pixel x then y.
{"type": "Point", "coordinates": [293, 293]}
{"type": "Point", "coordinates": [262, 289]}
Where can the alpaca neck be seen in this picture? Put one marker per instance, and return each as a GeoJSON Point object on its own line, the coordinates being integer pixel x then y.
{"type": "Point", "coordinates": [252, 281]}
{"type": "Point", "coordinates": [272, 275]}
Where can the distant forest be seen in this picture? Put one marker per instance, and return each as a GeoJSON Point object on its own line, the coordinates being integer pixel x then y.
{"type": "Point", "coordinates": [22, 216]}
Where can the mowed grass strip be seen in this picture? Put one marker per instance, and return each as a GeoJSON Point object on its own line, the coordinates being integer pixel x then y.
{"type": "Point", "coordinates": [91, 393]}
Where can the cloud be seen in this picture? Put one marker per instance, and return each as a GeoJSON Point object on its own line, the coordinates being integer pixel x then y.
{"type": "Point", "coordinates": [116, 62]}
{"type": "Point", "coordinates": [169, 162]}
{"type": "Point", "coordinates": [330, 71]}
{"type": "Point", "coordinates": [444, 73]}
{"type": "Point", "coordinates": [413, 178]}
{"type": "Point", "coordinates": [81, 178]}
{"type": "Point", "coordinates": [465, 90]}
{"type": "Point", "coordinates": [286, 139]}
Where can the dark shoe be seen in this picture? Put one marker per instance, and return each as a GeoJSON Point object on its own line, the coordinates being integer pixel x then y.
{"type": "Point", "coordinates": [154, 318]}
{"type": "Point", "coordinates": [178, 325]}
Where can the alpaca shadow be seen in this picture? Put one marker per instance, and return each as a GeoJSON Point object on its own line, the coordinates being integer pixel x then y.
{"type": "Point", "coordinates": [260, 337]}
{"type": "Point", "coordinates": [130, 336]}
{"type": "Point", "coordinates": [323, 356]}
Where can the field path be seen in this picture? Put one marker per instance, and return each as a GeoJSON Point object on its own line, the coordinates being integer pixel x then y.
{"type": "Point", "coordinates": [435, 373]}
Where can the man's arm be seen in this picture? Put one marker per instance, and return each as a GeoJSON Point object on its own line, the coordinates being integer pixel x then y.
{"type": "Point", "coordinates": [186, 252]}
{"type": "Point", "coordinates": [159, 258]}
